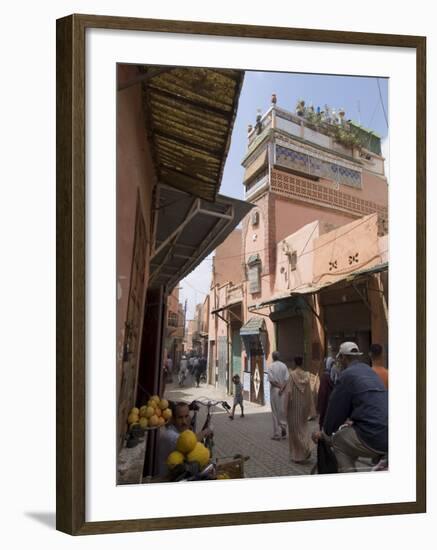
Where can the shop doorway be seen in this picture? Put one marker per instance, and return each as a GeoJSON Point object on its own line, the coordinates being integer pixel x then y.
{"type": "Point", "coordinates": [222, 349]}
{"type": "Point", "coordinates": [290, 338]}
{"type": "Point", "coordinates": [211, 363]}
{"type": "Point", "coordinates": [257, 379]}
{"type": "Point", "coordinates": [236, 352]}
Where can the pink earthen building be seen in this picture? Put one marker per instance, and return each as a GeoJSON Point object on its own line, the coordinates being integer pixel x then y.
{"type": "Point", "coordinates": [309, 267]}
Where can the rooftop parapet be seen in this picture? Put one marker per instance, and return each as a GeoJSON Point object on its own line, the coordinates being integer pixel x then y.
{"type": "Point", "coordinates": [328, 122]}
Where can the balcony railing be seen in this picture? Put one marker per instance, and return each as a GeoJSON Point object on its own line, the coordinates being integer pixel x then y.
{"type": "Point", "coordinates": [257, 134]}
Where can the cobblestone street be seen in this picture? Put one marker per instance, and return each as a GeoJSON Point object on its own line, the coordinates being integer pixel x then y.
{"type": "Point", "coordinates": [249, 436]}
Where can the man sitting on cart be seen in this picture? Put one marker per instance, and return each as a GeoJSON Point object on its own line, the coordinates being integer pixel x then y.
{"type": "Point", "coordinates": [168, 436]}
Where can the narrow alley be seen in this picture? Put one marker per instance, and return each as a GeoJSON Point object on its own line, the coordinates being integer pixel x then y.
{"type": "Point", "coordinates": [248, 436]}
{"type": "Point", "coordinates": [271, 289]}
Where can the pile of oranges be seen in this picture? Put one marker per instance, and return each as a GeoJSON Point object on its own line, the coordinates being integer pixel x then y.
{"type": "Point", "coordinates": [154, 414]}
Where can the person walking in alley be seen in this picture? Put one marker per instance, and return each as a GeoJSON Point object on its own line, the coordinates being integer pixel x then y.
{"type": "Point", "coordinates": [357, 415]}
{"type": "Point", "coordinates": [183, 370]}
{"type": "Point", "coordinates": [197, 371]}
{"type": "Point", "coordinates": [191, 365]}
{"type": "Point", "coordinates": [298, 397]}
{"type": "Point", "coordinates": [238, 396]}
{"type": "Point", "coordinates": [203, 363]}
{"type": "Point", "coordinates": [169, 365]}
{"type": "Point", "coordinates": [327, 382]}
{"type": "Point", "coordinates": [278, 375]}
{"type": "Point", "coordinates": [166, 376]}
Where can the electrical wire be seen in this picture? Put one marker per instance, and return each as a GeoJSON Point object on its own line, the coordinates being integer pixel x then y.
{"type": "Point", "coordinates": [371, 118]}
{"type": "Point", "coordinates": [301, 254]}
{"type": "Point", "coordinates": [193, 288]}
{"type": "Point", "coordinates": [382, 103]}
{"type": "Point", "coordinates": [309, 238]}
{"type": "Point", "coordinates": [339, 272]}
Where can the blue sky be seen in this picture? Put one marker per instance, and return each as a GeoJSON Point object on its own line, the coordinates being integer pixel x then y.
{"type": "Point", "coordinates": [365, 100]}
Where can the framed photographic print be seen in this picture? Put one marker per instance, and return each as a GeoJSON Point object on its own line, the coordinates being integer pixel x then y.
{"type": "Point", "coordinates": [239, 208]}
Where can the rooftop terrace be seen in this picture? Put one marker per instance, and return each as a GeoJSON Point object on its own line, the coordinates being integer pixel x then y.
{"type": "Point", "coordinates": [322, 127]}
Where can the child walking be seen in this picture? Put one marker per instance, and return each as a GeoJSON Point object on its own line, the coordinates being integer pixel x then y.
{"type": "Point", "coordinates": [238, 396]}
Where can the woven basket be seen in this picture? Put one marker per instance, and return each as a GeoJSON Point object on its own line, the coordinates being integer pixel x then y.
{"type": "Point", "coordinates": [234, 467]}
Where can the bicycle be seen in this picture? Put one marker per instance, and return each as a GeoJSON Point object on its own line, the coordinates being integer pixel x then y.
{"type": "Point", "coordinates": [329, 463]}
{"type": "Point", "coordinates": [228, 467]}
{"type": "Point", "coordinates": [191, 471]}
{"type": "Point", "coordinates": [208, 439]}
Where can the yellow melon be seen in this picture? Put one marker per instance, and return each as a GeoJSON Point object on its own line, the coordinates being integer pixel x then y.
{"type": "Point", "coordinates": [186, 441]}
{"type": "Point", "coordinates": [174, 459]}
{"type": "Point", "coordinates": [144, 422]}
{"type": "Point", "coordinates": [133, 417]}
{"type": "Point", "coordinates": [199, 454]}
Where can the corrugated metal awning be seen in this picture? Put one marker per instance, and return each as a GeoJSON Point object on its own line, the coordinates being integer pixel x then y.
{"type": "Point", "coordinates": [313, 289]}
{"type": "Point", "coordinates": [187, 229]}
{"type": "Point", "coordinates": [254, 336]}
{"type": "Point", "coordinates": [190, 115]}
{"type": "Point", "coordinates": [220, 309]}
{"type": "Point", "coordinates": [253, 326]}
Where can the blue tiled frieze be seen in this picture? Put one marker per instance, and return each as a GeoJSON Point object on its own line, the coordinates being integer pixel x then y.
{"type": "Point", "coordinates": [312, 165]}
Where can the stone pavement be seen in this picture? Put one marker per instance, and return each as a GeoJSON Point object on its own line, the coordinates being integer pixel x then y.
{"type": "Point", "coordinates": [249, 436]}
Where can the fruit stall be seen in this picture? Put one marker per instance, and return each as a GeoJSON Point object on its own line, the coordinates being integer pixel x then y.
{"type": "Point", "coordinates": [142, 421]}
{"type": "Point", "coordinates": [190, 461]}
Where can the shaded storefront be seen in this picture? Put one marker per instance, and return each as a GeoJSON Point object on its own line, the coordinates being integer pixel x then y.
{"type": "Point", "coordinates": [310, 321]}
{"type": "Point", "coordinates": [228, 346]}
{"type": "Point", "coordinates": [295, 319]}
{"type": "Point", "coordinates": [290, 318]}
{"type": "Point", "coordinates": [255, 341]}
{"type": "Point", "coordinates": [347, 316]}
{"type": "Point", "coordinates": [235, 324]}
{"type": "Point", "coordinates": [356, 309]}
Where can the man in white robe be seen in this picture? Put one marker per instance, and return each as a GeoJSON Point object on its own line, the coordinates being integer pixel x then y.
{"type": "Point", "coordinates": [278, 375]}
